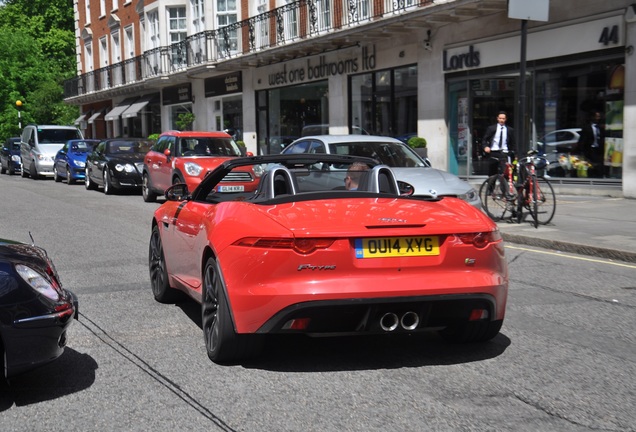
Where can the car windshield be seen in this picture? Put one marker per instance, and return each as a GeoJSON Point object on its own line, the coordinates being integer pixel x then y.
{"type": "Point", "coordinates": [52, 136]}
{"type": "Point", "coordinates": [128, 147]}
{"type": "Point", "coordinates": [208, 147]}
{"type": "Point", "coordinates": [392, 154]}
{"type": "Point", "coordinates": [81, 147]}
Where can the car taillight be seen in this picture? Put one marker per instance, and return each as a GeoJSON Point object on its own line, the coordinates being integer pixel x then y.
{"type": "Point", "coordinates": [303, 246]}
{"type": "Point", "coordinates": [481, 239]}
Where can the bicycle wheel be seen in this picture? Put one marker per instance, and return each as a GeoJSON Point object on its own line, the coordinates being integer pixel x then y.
{"type": "Point", "coordinates": [545, 201]}
{"type": "Point", "coordinates": [493, 196]}
{"type": "Point", "coordinates": [532, 203]}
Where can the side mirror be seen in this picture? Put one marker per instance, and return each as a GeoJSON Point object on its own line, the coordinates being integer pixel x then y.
{"type": "Point", "coordinates": [249, 154]}
{"type": "Point", "coordinates": [177, 192]}
{"type": "Point", "coordinates": [167, 152]}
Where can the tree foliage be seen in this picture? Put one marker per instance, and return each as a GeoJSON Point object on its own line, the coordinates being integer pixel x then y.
{"type": "Point", "coordinates": [38, 53]}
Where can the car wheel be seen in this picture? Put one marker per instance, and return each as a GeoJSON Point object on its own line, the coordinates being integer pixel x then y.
{"type": "Point", "coordinates": [56, 176]}
{"type": "Point", "coordinates": [88, 183]}
{"type": "Point", "coordinates": [146, 192]}
{"type": "Point", "coordinates": [108, 188]}
{"type": "Point", "coordinates": [24, 172]}
{"type": "Point", "coordinates": [3, 169]}
{"type": "Point", "coordinates": [161, 289]}
{"type": "Point", "coordinates": [472, 331]}
{"type": "Point", "coordinates": [33, 171]}
{"type": "Point", "coordinates": [222, 343]}
{"type": "Point", "coordinates": [69, 178]}
{"type": "Point", "coordinates": [177, 179]}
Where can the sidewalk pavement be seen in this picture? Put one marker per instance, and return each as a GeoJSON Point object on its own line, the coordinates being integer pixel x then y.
{"type": "Point", "coordinates": [600, 226]}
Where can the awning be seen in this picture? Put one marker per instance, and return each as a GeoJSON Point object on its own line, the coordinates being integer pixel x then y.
{"type": "Point", "coordinates": [80, 119]}
{"type": "Point", "coordinates": [119, 109]}
{"type": "Point", "coordinates": [92, 118]}
{"type": "Point", "coordinates": [134, 109]}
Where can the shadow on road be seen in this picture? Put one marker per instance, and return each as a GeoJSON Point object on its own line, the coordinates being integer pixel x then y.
{"type": "Point", "coordinates": [299, 353]}
{"type": "Point", "coordinates": [71, 373]}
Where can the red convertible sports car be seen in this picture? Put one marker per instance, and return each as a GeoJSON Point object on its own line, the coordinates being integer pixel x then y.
{"type": "Point", "coordinates": [304, 255]}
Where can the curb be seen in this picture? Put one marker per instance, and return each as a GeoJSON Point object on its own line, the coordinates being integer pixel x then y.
{"type": "Point", "coordinates": [571, 247]}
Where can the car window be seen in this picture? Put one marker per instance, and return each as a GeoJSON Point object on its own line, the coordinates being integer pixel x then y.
{"type": "Point", "coordinates": [47, 136]}
{"type": "Point", "coordinates": [388, 153]}
{"type": "Point", "coordinates": [77, 147]}
{"type": "Point", "coordinates": [316, 147]}
{"type": "Point", "coordinates": [298, 147]}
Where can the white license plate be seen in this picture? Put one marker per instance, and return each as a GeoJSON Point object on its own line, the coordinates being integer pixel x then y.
{"type": "Point", "coordinates": [231, 188]}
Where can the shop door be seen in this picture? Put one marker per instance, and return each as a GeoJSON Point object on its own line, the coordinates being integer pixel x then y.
{"type": "Point", "coordinates": [459, 129]}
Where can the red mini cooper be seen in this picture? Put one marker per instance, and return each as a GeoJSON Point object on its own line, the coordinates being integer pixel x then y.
{"type": "Point", "coordinates": [187, 157]}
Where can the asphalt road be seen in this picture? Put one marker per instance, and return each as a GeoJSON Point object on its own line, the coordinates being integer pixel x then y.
{"type": "Point", "coordinates": [565, 360]}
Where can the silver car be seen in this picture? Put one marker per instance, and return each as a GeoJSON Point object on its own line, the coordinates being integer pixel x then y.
{"type": "Point", "coordinates": [407, 165]}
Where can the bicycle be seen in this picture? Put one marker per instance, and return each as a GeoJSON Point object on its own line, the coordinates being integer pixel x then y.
{"type": "Point", "coordinates": [518, 188]}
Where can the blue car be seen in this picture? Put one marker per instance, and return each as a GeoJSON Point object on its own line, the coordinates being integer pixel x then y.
{"type": "Point", "coordinates": [70, 161]}
{"type": "Point", "coordinates": [10, 159]}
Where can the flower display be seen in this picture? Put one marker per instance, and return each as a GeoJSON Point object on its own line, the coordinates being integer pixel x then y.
{"type": "Point", "coordinates": [570, 162]}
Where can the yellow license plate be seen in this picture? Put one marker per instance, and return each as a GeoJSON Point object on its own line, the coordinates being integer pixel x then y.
{"type": "Point", "coordinates": [396, 247]}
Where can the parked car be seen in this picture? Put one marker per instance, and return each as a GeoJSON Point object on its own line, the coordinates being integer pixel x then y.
{"type": "Point", "coordinates": [10, 160]}
{"type": "Point", "coordinates": [39, 144]}
{"type": "Point", "coordinates": [116, 164]}
{"type": "Point", "coordinates": [406, 163]}
{"type": "Point", "coordinates": [35, 310]}
{"type": "Point", "coordinates": [323, 129]}
{"type": "Point", "coordinates": [187, 157]}
{"type": "Point", "coordinates": [298, 256]}
{"type": "Point", "coordinates": [70, 162]}
{"type": "Point", "coordinates": [558, 141]}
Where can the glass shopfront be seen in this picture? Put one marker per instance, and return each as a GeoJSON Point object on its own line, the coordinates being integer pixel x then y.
{"type": "Point", "coordinates": [384, 102]}
{"type": "Point", "coordinates": [284, 112]}
{"type": "Point", "coordinates": [561, 99]}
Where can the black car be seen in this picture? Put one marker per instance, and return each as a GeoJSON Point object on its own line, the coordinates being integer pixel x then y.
{"type": "Point", "coordinates": [116, 164]}
{"type": "Point", "coordinates": [35, 311]}
{"type": "Point", "coordinates": [10, 159]}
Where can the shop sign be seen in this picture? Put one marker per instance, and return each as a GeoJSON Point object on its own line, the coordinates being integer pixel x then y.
{"type": "Point", "coordinates": [461, 61]}
{"type": "Point", "coordinates": [222, 85]}
{"type": "Point", "coordinates": [177, 94]}
{"type": "Point", "coordinates": [324, 68]}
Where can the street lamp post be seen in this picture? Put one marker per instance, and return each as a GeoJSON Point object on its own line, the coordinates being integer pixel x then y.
{"type": "Point", "coordinates": [18, 104]}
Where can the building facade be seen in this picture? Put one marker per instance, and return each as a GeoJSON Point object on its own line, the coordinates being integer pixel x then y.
{"type": "Point", "coordinates": [270, 71]}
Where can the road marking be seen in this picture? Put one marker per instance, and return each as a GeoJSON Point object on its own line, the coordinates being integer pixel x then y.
{"type": "Point", "coordinates": [580, 258]}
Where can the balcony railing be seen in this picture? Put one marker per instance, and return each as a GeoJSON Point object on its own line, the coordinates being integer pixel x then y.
{"type": "Point", "coordinates": [282, 26]}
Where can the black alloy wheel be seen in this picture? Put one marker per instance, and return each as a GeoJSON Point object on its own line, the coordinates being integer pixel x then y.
{"type": "Point", "coordinates": [222, 343]}
{"type": "Point", "coordinates": [161, 289]}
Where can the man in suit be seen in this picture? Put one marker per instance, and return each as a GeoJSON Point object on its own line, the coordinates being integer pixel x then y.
{"type": "Point", "coordinates": [499, 143]}
{"type": "Point", "coordinates": [592, 144]}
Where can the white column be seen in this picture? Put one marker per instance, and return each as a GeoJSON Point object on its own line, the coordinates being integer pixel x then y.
{"type": "Point", "coordinates": [629, 110]}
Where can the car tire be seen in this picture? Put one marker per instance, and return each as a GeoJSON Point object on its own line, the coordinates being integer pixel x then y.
{"type": "Point", "coordinates": [3, 169]}
{"type": "Point", "coordinates": [222, 343]}
{"type": "Point", "coordinates": [472, 331]}
{"type": "Point", "coordinates": [24, 172]}
{"type": "Point", "coordinates": [108, 188]}
{"type": "Point", "coordinates": [177, 179]}
{"type": "Point", "coordinates": [161, 289]}
{"type": "Point", "coordinates": [56, 176]}
{"type": "Point", "coordinates": [88, 183]}
{"type": "Point", "coordinates": [33, 171]}
{"type": "Point", "coordinates": [146, 191]}
{"type": "Point", "coordinates": [69, 177]}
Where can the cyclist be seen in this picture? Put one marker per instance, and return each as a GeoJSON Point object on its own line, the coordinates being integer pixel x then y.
{"type": "Point", "coordinates": [499, 143]}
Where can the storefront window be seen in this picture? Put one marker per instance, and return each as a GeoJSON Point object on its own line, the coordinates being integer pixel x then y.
{"type": "Point", "coordinates": [284, 112]}
{"type": "Point", "coordinates": [566, 99]}
{"type": "Point", "coordinates": [385, 102]}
